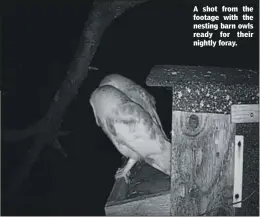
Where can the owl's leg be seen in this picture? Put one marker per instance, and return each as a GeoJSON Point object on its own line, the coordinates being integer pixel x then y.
{"type": "Point", "coordinates": [125, 171]}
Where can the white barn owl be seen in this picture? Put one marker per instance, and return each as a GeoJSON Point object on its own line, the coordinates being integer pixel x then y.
{"type": "Point", "coordinates": [136, 93]}
{"type": "Point", "coordinates": [131, 128]}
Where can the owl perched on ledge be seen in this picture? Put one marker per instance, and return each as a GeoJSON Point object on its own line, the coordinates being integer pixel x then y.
{"type": "Point", "coordinates": [136, 93]}
{"type": "Point", "coordinates": [126, 113]}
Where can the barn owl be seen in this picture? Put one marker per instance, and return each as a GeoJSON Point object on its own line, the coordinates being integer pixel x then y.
{"type": "Point", "coordinates": [136, 93]}
{"type": "Point", "coordinates": [131, 129]}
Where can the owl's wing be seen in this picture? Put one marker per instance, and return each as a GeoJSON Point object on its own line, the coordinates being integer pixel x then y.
{"type": "Point", "coordinates": [148, 102]}
{"type": "Point", "coordinates": [147, 95]}
{"type": "Point", "coordinates": [144, 94]}
{"type": "Point", "coordinates": [134, 127]}
{"type": "Point", "coordinates": [136, 93]}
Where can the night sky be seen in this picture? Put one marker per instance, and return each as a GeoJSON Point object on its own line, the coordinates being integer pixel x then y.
{"type": "Point", "coordinates": [40, 39]}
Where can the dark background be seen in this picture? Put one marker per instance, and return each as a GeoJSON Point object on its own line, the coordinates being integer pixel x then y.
{"type": "Point", "coordinates": [39, 40]}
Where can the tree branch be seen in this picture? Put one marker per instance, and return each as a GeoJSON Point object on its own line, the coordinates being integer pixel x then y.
{"type": "Point", "coordinates": [47, 129]}
{"type": "Point", "coordinates": [56, 144]}
{"type": "Point", "coordinates": [18, 135]}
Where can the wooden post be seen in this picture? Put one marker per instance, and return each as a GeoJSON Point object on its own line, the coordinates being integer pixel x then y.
{"type": "Point", "coordinates": [202, 162]}
{"type": "Point", "coordinates": [203, 134]}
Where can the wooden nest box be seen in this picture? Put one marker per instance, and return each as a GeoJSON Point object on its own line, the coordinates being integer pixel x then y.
{"type": "Point", "coordinates": [208, 104]}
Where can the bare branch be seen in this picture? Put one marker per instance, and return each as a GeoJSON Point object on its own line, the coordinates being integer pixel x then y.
{"type": "Point", "coordinates": [65, 133]}
{"type": "Point", "coordinates": [103, 13]}
{"type": "Point", "coordinates": [18, 135]}
{"type": "Point", "coordinates": [56, 144]}
{"type": "Point", "coordinates": [92, 68]}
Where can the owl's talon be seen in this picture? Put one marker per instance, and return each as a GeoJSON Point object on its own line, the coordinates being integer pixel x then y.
{"type": "Point", "coordinates": [122, 174]}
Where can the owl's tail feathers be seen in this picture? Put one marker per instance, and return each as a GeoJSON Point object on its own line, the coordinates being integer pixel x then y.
{"type": "Point", "coordinates": [161, 161]}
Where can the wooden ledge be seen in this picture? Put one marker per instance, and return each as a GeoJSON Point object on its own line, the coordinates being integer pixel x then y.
{"type": "Point", "coordinates": [147, 194]}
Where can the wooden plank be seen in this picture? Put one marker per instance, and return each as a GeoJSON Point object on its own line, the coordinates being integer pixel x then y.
{"type": "Point", "coordinates": [151, 206]}
{"type": "Point", "coordinates": [119, 191]}
{"type": "Point", "coordinates": [146, 183]}
{"type": "Point", "coordinates": [246, 113]}
{"type": "Point", "coordinates": [238, 170]}
{"type": "Point", "coordinates": [202, 163]}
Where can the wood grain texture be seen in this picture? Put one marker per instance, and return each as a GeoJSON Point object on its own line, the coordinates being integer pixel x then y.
{"type": "Point", "coordinates": [146, 184]}
{"type": "Point", "coordinates": [147, 206]}
{"type": "Point", "coordinates": [119, 191]}
{"type": "Point", "coordinates": [202, 163]}
{"type": "Point", "coordinates": [245, 113]}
